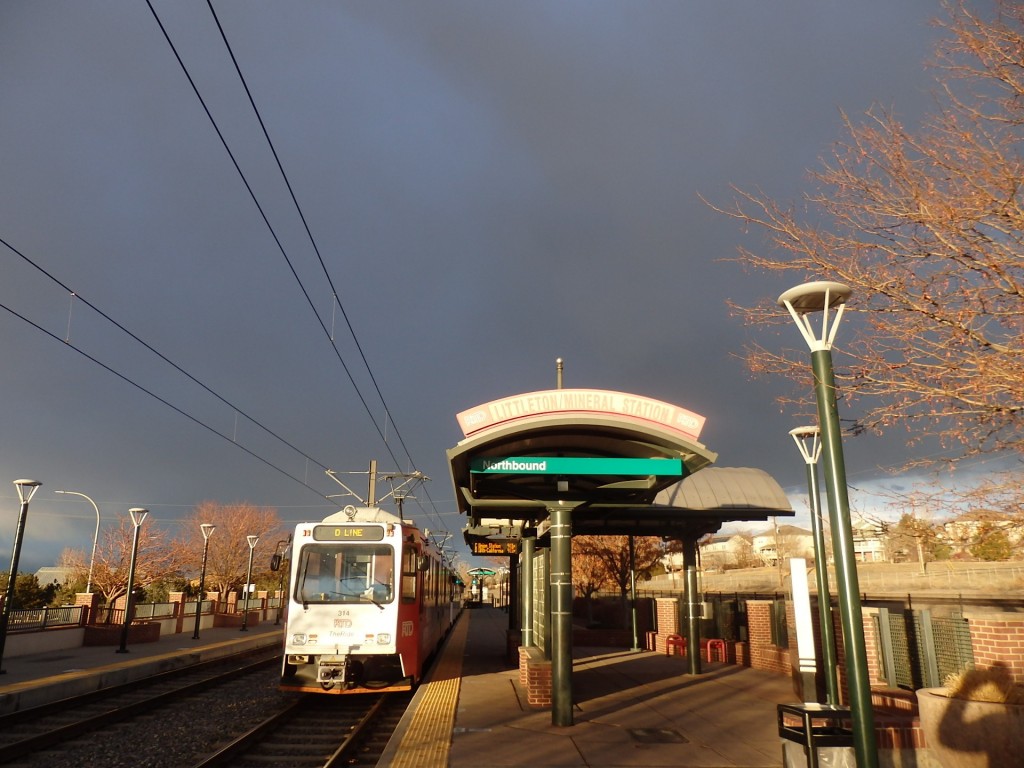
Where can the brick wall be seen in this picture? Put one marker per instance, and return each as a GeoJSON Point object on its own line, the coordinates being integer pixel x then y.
{"type": "Point", "coordinates": [668, 622]}
{"type": "Point", "coordinates": [91, 601]}
{"type": "Point", "coordinates": [535, 676]}
{"type": "Point", "coordinates": [763, 654]}
{"type": "Point", "coordinates": [998, 641]}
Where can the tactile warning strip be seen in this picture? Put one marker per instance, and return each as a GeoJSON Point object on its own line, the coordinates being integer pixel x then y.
{"type": "Point", "coordinates": [427, 741]}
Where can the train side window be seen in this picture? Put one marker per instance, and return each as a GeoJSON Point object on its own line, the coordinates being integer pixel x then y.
{"type": "Point", "coordinates": [410, 560]}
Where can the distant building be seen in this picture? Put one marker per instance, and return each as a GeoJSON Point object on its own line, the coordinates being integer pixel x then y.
{"type": "Point", "coordinates": [869, 545]}
{"type": "Point", "coordinates": [964, 531]}
{"type": "Point", "coordinates": [52, 574]}
{"type": "Point", "coordinates": [784, 541]}
{"type": "Point", "coordinates": [726, 550]}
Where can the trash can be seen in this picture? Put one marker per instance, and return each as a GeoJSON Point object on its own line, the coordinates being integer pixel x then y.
{"type": "Point", "coordinates": [823, 732]}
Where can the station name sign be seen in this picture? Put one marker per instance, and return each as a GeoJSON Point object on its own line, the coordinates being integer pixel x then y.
{"type": "Point", "coordinates": [598, 402]}
{"type": "Point", "coordinates": [563, 465]}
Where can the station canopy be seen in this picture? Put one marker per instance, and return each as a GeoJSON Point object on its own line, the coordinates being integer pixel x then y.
{"type": "Point", "coordinates": [625, 463]}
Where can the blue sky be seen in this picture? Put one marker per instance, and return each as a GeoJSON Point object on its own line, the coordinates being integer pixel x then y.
{"type": "Point", "coordinates": [490, 186]}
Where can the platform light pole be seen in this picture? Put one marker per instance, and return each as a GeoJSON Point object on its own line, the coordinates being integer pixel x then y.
{"type": "Point", "coordinates": [801, 301]}
{"type": "Point", "coordinates": [95, 536]}
{"type": "Point", "coordinates": [138, 515]}
{"type": "Point", "coordinates": [207, 530]}
{"type": "Point", "coordinates": [248, 580]}
{"type": "Point", "coordinates": [26, 490]}
{"type": "Point", "coordinates": [808, 442]}
{"type": "Point", "coordinates": [280, 589]}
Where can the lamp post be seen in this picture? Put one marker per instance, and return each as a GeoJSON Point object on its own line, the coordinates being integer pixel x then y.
{"type": "Point", "coordinates": [808, 442]}
{"type": "Point", "coordinates": [26, 490]}
{"type": "Point", "coordinates": [280, 587]}
{"type": "Point", "coordinates": [207, 530]}
{"type": "Point", "coordinates": [248, 580]}
{"type": "Point", "coordinates": [799, 302]}
{"type": "Point", "coordinates": [95, 536]}
{"type": "Point", "coordinates": [138, 515]}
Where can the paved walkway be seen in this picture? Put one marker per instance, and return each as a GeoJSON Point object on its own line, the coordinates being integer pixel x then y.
{"type": "Point", "coordinates": [631, 709]}
{"type": "Point", "coordinates": [35, 679]}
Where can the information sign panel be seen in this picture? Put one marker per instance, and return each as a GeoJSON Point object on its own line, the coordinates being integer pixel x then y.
{"type": "Point", "coordinates": [494, 547]}
{"type": "Point", "coordinates": [563, 465]}
{"type": "Point", "coordinates": [348, 533]}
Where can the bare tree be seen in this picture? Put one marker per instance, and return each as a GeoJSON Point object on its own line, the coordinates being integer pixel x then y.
{"type": "Point", "coordinates": [228, 556]}
{"type": "Point", "coordinates": [927, 226]}
{"type": "Point", "coordinates": [589, 572]}
{"type": "Point", "coordinates": [156, 558]}
{"type": "Point", "coordinates": [613, 553]}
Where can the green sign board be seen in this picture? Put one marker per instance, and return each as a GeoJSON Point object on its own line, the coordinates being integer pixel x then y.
{"type": "Point", "coordinates": [563, 465]}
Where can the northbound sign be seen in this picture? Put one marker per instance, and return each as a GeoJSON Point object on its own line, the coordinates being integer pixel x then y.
{"type": "Point", "coordinates": [561, 465]}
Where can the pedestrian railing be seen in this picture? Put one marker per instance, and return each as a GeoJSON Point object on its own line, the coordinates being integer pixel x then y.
{"type": "Point", "coordinates": [46, 618]}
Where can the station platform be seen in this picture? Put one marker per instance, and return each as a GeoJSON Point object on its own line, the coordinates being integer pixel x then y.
{"type": "Point", "coordinates": [32, 680]}
{"type": "Point", "coordinates": [630, 709]}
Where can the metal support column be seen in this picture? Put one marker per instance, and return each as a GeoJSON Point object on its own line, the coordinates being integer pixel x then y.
{"type": "Point", "coordinates": [632, 594]}
{"type": "Point", "coordinates": [692, 605]}
{"type": "Point", "coordinates": [527, 548]}
{"type": "Point", "coordinates": [561, 615]}
{"type": "Point", "coordinates": [513, 596]}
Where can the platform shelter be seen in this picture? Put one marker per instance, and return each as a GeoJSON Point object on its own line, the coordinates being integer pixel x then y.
{"type": "Point", "coordinates": [535, 469]}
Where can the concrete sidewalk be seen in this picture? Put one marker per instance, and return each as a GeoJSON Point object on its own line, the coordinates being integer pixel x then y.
{"type": "Point", "coordinates": [630, 709]}
{"type": "Point", "coordinates": [35, 679]}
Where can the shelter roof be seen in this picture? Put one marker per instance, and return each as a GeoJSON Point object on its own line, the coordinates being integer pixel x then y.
{"type": "Point", "coordinates": [594, 424]}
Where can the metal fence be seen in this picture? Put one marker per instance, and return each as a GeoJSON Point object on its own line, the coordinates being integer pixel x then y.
{"type": "Point", "coordinates": [919, 650]}
{"type": "Point", "coordinates": [46, 618]}
{"type": "Point", "coordinates": [155, 610]}
{"type": "Point", "coordinates": [917, 647]}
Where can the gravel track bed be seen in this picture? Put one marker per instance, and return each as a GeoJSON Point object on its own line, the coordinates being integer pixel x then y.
{"type": "Point", "coordinates": [175, 736]}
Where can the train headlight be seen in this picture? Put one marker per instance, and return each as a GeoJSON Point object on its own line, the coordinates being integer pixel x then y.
{"type": "Point", "coordinates": [299, 639]}
{"type": "Point", "coordinates": [383, 638]}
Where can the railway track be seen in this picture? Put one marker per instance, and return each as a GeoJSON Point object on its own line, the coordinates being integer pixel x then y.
{"type": "Point", "coordinates": [317, 732]}
{"type": "Point", "coordinates": [50, 727]}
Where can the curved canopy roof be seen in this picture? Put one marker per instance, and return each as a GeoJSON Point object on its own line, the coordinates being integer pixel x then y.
{"type": "Point", "coordinates": [683, 497]}
{"type": "Point", "coordinates": [527, 496]}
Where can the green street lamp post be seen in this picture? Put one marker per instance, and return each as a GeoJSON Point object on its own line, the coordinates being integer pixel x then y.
{"type": "Point", "coordinates": [26, 490]}
{"type": "Point", "coordinates": [800, 302]}
{"type": "Point", "coordinates": [207, 530]}
{"type": "Point", "coordinates": [808, 442]}
{"type": "Point", "coordinates": [138, 516]}
{"type": "Point", "coordinates": [248, 583]}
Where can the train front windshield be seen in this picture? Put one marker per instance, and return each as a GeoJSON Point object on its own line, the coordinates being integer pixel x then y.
{"type": "Point", "coordinates": [345, 573]}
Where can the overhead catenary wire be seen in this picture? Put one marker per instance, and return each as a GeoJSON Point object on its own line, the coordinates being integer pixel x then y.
{"type": "Point", "coordinates": [160, 399]}
{"type": "Point", "coordinates": [312, 240]}
{"type": "Point", "coordinates": [327, 331]}
{"type": "Point", "coordinates": [266, 220]}
{"type": "Point", "coordinates": [134, 337]}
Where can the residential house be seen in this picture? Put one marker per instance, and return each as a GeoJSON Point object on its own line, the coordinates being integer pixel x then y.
{"type": "Point", "coordinates": [783, 541]}
{"type": "Point", "coordinates": [726, 550]}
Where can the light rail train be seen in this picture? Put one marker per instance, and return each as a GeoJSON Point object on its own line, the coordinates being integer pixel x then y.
{"type": "Point", "coordinates": [370, 600]}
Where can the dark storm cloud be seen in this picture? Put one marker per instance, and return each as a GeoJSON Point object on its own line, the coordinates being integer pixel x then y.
{"type": "Point", "coordinates": [491, 186]}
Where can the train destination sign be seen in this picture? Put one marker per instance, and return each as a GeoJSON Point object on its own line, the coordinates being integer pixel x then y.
{"type": "Point", "coordinates": [494, 546]}
{"type": "Point", "coordinates": [563, 465]}
{"type": "Point", "coordinates": [348, 533]}
{"type": "Point", "coordinates": [597, 402]}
